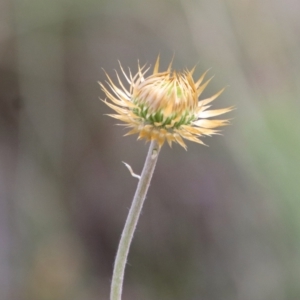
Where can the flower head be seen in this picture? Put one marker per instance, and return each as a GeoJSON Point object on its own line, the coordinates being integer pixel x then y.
{"type": "Point", "coordinates": [164, 106]}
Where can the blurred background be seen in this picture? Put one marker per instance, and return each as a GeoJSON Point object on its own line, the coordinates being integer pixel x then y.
{"type": "Point", "coordinates": [219, 222]}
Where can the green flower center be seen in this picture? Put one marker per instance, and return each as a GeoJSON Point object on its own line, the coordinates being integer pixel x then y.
{"type": "Point", "coordinates": [157, 119]}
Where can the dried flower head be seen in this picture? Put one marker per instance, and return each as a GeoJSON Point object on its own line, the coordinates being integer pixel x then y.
{"type": "Point", "coordinates": [164, 105]}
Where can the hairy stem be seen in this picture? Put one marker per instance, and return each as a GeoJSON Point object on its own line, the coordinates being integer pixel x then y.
{"type": "Point", "coordinates": [131, 222]}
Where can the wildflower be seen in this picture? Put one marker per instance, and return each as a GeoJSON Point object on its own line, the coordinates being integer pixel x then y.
{"type": "Point", "coordinates": [164, 106]}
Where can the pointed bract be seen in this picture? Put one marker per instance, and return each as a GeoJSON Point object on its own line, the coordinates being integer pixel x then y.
{"type": "Point", "coordinates": [164, 106]}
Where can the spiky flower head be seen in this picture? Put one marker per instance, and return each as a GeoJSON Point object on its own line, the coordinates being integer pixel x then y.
{"type": "Point", "coordinates": [164, 106]}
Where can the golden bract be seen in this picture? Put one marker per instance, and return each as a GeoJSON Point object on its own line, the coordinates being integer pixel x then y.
{"type": "Point", "coordinates": [164, 105]}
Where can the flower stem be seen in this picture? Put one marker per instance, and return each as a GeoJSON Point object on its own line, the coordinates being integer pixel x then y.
{"type": "Point", "coordinates": [131, 222]}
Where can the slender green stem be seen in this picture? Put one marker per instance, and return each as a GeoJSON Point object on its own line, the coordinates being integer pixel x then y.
{"type": "Point", "coordinates": [131, 222]}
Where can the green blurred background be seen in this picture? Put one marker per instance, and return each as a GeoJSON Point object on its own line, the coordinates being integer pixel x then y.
{"type": "Point", "coordinates": [220, 222]}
